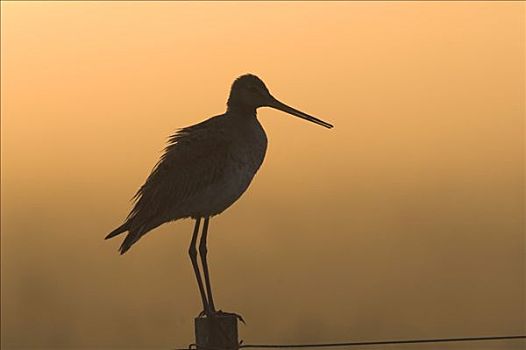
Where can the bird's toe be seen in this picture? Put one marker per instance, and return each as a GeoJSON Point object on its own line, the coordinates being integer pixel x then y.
{"type": "Point", "coordinates": [222, 313]}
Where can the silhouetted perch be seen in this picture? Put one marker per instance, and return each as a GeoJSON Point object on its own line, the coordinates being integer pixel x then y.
{"type": "Point", "coordinates": [218, 332]}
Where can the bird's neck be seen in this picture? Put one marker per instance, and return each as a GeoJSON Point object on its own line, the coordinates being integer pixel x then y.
{"type": "Point", "coordinates": [242, 110]}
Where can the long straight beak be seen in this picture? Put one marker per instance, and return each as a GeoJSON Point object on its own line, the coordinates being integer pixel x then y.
{"type": "Point", "coordinates": [274, 103]}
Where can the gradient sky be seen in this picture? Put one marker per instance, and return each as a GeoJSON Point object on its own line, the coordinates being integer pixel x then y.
{"type": "Point", "coordinates": [404, 221]}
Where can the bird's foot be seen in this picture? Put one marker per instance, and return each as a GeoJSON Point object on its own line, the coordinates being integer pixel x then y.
{"type": "Point", "coordinates": [223, 313]}
{"type": "Point", "coordinates": [220, 313]}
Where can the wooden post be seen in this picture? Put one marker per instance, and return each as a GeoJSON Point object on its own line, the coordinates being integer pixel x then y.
{"type": "Point", "coordinates": [218, 332]}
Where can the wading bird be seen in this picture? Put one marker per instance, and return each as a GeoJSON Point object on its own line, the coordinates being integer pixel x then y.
{"type": "Point", "coordinates": [204, 169]}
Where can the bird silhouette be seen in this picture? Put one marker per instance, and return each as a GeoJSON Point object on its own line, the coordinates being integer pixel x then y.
{"type": "Point", "coordinates": [205, 168]}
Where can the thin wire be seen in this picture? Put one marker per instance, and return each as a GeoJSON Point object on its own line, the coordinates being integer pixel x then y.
{"type": "Point", "coordinates": [384, 342]}
{"type": "Point", "coordinates": [362, 343]}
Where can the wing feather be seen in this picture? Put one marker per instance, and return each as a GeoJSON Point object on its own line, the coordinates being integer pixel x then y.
{"type": "Point", "coordinates": [194, 159]}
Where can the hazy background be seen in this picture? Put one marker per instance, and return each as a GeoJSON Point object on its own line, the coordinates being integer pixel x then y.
{"type": "Point", "coordinates": [404, 221]}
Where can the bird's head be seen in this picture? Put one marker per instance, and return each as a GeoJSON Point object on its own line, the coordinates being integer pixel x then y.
{"type": "Point", "coordinates": [248, 93]}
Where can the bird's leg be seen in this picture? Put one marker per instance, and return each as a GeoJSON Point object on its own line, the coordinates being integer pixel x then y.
{"type": "Point", "coordinates": [202, 251]}
{"type": "Point", "coordinates": [192, 251]}
{"type": "Point", "coordinates": [211, 311]}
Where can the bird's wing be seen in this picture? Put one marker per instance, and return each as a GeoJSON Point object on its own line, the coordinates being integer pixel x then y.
{"type": "Point", "coordinates": [194, 159]}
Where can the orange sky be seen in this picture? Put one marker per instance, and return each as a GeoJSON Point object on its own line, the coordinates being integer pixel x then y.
{"type": "Point", "coordinates": [405, 220]}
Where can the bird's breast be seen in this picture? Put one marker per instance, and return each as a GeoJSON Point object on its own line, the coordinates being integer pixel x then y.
{"type": "Point", "coordinates": [246, 156]}
{"type": "Point", "coordinates": [248, 150]}
{"type": "Point", "coordinates": [244, 159]}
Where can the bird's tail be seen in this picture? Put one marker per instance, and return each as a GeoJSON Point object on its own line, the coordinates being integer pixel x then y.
{"type": "Point", "coordinates": [121, 229]}
{"type": "Point", "coordinates": [135, 233]}
{"type": "Point", "coordinates": [130, 238]}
